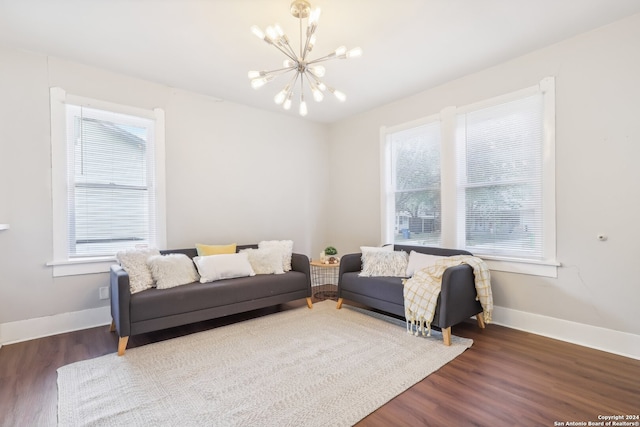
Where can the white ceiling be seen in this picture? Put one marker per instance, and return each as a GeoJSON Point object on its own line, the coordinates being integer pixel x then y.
{"type": "Point", "coordinates": [207, 46]}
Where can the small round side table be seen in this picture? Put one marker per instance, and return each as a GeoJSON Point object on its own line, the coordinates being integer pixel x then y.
{"type": "Point", "coordinates": [324, 280]}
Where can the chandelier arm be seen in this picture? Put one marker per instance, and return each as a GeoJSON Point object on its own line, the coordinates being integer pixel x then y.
{"type": "Point", "coordinates": [314, 77]}
{"type": "Point", "coordinates": [306, 46]}
{"type": "Point", "coordinates": [290, 55]}
{"type": "Point", "coordinates": [284, 41]}
{"type": "Point", "coordinates": [279, 71]}
{"type": "Point", "coordinates": [328, 57]}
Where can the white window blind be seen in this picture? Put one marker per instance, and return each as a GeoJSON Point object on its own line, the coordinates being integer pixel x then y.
{"type": "Point", "coordinates": [500, 177]}
{"type": "Point", "coordinates": [414, 185]}
{"type": "Point", "coordinates": [110, 181]}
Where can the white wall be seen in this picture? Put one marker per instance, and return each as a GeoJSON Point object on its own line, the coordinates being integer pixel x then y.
{"type": "Point", "coordinates": [597, 177]}
{"type": "Point", "coordinates": [234, 174]}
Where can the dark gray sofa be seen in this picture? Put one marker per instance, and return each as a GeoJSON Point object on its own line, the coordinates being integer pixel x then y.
{"type": "Point", "coordinates": [457, 301]}
{"type": "Point", "coordinates": [155, 309]}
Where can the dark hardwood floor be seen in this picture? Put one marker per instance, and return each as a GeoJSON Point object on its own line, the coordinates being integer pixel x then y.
{"type": "Point", "coordinates": [507, 378]}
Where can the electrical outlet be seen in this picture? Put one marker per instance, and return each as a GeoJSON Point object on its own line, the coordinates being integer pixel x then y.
{"type": "Point", "coordinates": [103, 292]}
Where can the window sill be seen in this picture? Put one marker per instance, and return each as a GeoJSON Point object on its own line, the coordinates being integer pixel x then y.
{"type": "Point", "coordinates": [522, 266]}
{"type": "Point", "coordinates": [81, 266]}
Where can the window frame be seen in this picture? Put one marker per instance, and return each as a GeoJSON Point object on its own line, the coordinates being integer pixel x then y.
{"type": "Point", "coordinates": [451, 221]}
{"type": "Point", "coordinates": [63, 264]}
{"type": "Point", "coordinates": [387, 182]}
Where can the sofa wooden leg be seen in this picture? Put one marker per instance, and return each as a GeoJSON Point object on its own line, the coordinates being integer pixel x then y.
{"type": "Point", "coordinates": [112, 328]}
{"type": "Point", "coordinates": [309, 303]}
{"type": "Point", "coordinates": [122, 345]}
{"type": "Point", "coordinates": [480, 319]}
{"type": "Point", "coordinates": [446, 335]}
{"type": "Point", "coordinates": [339, 306]}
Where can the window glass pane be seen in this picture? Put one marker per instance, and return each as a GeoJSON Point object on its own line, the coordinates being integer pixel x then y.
{"type": "Point", "coordinates": [416, 182]}
{"type": "Point", "coordinates": [111, 194]}
{"type": "Point", "coordinates": [110, 219]}
{"type": "Point", "coordinates": [502, 179]}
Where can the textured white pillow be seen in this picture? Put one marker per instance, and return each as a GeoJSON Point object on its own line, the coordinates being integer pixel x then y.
{"type": "Point", "coordinates": [172, 270]}
{"type": "Point", "coordinates": [418, 261]}
{"type": "Point", "coordinates": [366, 249]}
{"type": "Point", "coordinates": [286, 248]}
{"type": "Point", "coordinates": [134, 262]}
{"type": "Point", "coordinates": [265, 260]}
{"type": "Point", "coordinates": [223, 266]}
{"type": "Point", "coordinates": [384, 263]}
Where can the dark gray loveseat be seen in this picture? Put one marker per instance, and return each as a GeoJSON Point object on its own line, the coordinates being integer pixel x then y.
{"type": "Point", "coordinates": [457, 301]}
{"type": "Point", "coordinates": [155, 309]}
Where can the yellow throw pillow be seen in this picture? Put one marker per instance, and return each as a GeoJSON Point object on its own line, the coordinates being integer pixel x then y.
{"type": "Point", "coordinates": [205, 250]}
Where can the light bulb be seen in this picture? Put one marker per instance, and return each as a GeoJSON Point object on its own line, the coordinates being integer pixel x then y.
{"type": "Point", "coordinates": [258, 32]}
{"type": "Point", "coordinates": [354, 53]}
{"type": "Point", "coordinates": [253, 74]}
{"type": "Point", "coordinates": [303, 108]}
{"type": "Point", "coordinates": [314, 16]}
{"type": "Point", "coordinates": [341, 96]}
{"type": "Point", "coordinates": [322, 86]}
{"type": "Point", "coordinates": [271, 33]}
{"type": "Point", "coordinates": [288, 63]}
{"type": "Point", "coordinates": [280, 97]}
{"type": "Point", "coordinates": [340, 51]}
{"type": "Point", "coordinates": [261, 81]}
{"type": "Point", "coordinates": [318, 70]}
{"type": "Point", "coordinates": [318, 96]}
{"type": "Point", "coordinates": [287, 103]}
{"type": "Point", "coordinates": [279, 30]}
{"type": "Point", "coordinates": [258, 83]}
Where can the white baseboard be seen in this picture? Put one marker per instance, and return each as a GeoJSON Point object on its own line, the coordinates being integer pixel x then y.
{"type": "Point", "coordinates": [29, 329]}
{"type": "Point", "coordinates": [622, 343]}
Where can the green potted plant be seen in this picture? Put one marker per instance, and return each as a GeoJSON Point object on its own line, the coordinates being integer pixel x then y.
{"type": "Point", "coordinates": [331, 252]}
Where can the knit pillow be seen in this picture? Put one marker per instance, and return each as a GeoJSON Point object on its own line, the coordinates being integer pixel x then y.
{"type": "Point", "coordinates": [265, 260]}
{"type": "Point", "coordinates": [134, 262]}
{"type": "Point", "coordinates": [284, 246]}
{"type": "Point", "coordinates": [172, 270]}
{"type": "Point", "coordinates": [384, 263]}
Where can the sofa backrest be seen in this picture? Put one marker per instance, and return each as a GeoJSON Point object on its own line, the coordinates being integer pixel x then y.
{"type": "Point", "coordinates": [431, 250]}
{"type": "Point", "coordinates": [192, 252]}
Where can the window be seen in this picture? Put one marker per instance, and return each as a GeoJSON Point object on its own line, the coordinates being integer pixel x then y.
{"type": "Point", "coordinates": [500, 179]}
{"type": "Point", "coordinates": [495, 186]}
{"type": "Point", "coordinates": [108, 188]}
{"type": "Point", "coordinates": [413, 187]}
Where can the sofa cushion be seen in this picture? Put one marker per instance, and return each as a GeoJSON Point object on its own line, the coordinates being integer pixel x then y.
{"type": "Point", "coordinates": [265, 260]}
{"type": "Point", "coordinates": [223, 266]}
{"type": "Point", "coordinates": [380, 263]}
{"type": "Point", "coordinates": [172, 270]}
{"type": "Point", "coordinates": [155, 303]}
{"type": "Point", "coordinates": [382, 288]}
{"type": "Point", "coordinates": [418, 261]}
{"type": "Point", "coordinates": [206, 250]}
{"type": "Point", "coordinates": [284, 246]}
{"type": "Point", "coordinates": [134, 262]}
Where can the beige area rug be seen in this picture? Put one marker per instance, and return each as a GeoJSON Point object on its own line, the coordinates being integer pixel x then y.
{"type": "Point", "coordinates": [301, 367]}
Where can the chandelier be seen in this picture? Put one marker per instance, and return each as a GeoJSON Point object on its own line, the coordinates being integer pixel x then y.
{"type": "Point", "coordinates": [303, 68]}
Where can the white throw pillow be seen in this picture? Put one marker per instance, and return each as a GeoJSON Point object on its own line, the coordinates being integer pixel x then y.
{"type": "Point", "coordinates": [366, 249]}
{"type": "Point", "coordinates": [224, 266]}
{"type": "Point", "coordinates": [172, 270]}
{"type": "Point", "coordinates": [286, 248]}
{"type": "Point", "coordinates": [265, 260]}
{"type": "Point", "coordinates": [384, 263]}
{"type": "Point", "coordinates": [418, 261]}
{"type": "Point", "coordinates": [134, 262]}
